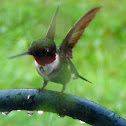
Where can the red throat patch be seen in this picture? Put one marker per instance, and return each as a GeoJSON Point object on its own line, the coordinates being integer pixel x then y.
{"type": "Point", "coordinates": [45, 59]}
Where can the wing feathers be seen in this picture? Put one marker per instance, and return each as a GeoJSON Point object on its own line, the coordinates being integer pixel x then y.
{"type": "Point", "coordinates": [51, 30]}
{"type": "Point", "coordinates": [76, 32]}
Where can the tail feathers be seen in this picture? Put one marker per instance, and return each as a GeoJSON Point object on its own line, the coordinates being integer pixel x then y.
{"type": "Point", "coordinates": [84, 79]}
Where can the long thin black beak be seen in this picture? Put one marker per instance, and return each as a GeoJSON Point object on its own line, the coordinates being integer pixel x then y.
{"type": "Point", "coordinates": [21, 54]}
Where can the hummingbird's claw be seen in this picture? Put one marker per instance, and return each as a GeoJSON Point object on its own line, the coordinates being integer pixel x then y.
{"type": "Point", "coordinates": [41, 89]}
{"type": "Point", "coordinates": [63, 89]}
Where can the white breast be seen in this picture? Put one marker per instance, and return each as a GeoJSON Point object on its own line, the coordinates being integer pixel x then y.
{"type": "Point", "coordinates": [48, 68]}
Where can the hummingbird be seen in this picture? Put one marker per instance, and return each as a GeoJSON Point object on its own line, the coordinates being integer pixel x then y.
{"type": "Point", "coordinates": [54, 63]}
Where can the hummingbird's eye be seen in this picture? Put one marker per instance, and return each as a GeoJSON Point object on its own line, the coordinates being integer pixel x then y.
{"type": "Point", "coordinates": [47, 49]}
{"type": "Point", "coordinates": [44, 51]}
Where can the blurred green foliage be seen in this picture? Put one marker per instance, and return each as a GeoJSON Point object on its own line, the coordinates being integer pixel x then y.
{"type": "Point", "coordinates": [99, 56]}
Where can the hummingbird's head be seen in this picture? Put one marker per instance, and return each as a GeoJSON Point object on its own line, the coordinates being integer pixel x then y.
{"type": "Point", "coordinates": [43, 50]}
{"type": "Point", "coordinates": [42, 47]}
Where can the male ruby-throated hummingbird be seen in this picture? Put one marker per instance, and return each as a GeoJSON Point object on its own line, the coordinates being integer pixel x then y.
{"type": "Point", "coordinates": [53, 63]}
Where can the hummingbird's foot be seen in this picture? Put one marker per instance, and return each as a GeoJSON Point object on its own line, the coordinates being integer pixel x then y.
{"type": "Point", "coordinates": [40, 89]}
{"type": "Point", "coordinates": [45, 83]}
{"type": "Point", "coordinates": [63, 89]}
{"type": "Point", "coordinates": [61, 92]}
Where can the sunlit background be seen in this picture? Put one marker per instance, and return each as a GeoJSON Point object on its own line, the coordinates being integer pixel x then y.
{"type": "Point", "coordinates": [100, 54]}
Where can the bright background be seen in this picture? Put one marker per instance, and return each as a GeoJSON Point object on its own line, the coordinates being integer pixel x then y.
{"type": "Point", "coordinates": [99, 56]}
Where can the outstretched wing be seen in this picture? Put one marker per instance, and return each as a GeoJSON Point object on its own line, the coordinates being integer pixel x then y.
{"type": "Point", "coordinates": [76, 31]}
{"type": "Point", "coordinates": [51, 30]}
